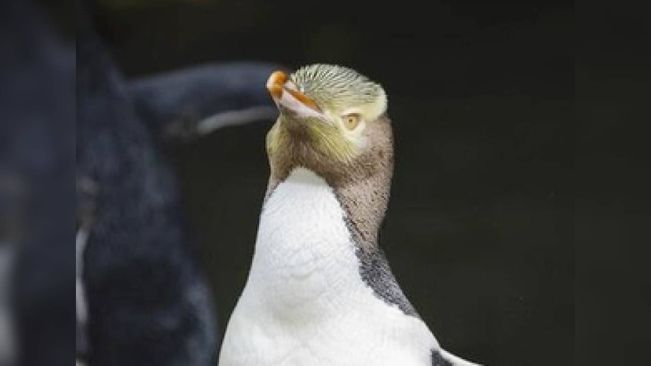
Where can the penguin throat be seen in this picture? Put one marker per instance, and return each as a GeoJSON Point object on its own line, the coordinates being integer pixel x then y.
{"type": "Point", "coordinates": [304, 249]}
{"type": "Point", "coordinates": [314, 239]}
{"type": "Point", "coordinates": [363, 200]}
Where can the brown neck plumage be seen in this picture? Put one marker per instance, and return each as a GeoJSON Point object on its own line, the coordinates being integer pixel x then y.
{"type": "Point", "coordinates": [362, 186]}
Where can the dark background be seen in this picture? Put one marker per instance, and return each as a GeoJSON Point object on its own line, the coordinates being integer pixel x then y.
{"type": "Point", "coordinates": [480, 229]}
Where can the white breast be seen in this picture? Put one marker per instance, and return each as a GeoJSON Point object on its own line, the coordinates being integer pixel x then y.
{"type": "Point", "coordinates": [305, 302]}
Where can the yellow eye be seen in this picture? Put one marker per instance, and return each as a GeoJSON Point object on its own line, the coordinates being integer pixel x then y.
{"type": "Point", "coordinates": [351, 121]}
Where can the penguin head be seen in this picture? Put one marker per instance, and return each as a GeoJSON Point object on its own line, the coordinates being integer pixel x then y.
{"type": "Point", "coordinates": [332, 120]}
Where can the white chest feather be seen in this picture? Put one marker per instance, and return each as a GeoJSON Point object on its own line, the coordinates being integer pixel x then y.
{"type": "Point", "coordinates": [305, 302]}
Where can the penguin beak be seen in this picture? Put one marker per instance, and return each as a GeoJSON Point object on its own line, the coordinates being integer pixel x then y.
{"type": "Point", "coordinates": [288, 98]}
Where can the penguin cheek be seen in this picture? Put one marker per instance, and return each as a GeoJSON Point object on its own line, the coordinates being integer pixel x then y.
{"type": "Point", "coordinates": [359, 138]}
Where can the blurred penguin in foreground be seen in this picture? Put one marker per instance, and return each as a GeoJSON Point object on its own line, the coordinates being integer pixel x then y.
{"type": "Point", "coordinates": [140, 295]}
{"type": "Point", "coordinates": [36, 190]}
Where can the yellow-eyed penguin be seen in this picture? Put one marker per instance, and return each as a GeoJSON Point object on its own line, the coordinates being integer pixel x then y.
{"type": "Point", "coordinates": [320, 291]}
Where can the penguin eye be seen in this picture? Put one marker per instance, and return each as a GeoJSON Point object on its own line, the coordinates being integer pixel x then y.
{"type": "Point", "coordinates": [352, 120]}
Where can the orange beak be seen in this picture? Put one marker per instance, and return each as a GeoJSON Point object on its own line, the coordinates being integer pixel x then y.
{"type": "Point", "coordinates": [276, 83]}
{"type": "Point", "coordinates": [283, 92]}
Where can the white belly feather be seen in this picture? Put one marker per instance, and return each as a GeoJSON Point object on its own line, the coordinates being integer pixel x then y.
{"type": "Point", "coordinates": [305, 302]}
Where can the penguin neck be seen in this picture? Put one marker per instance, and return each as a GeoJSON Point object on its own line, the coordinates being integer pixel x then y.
{"type": "Point", "coordinates": [307, 244]}
{"type": "Point", "coordinates": [365, 203]}
{"type": "Point", "coordinates": [363, 200]}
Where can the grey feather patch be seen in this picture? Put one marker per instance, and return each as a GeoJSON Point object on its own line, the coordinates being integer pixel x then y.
{"type": "Point", "coordinates": [376, 273]}
{"type": "Point", "coordinates": [438, 360]}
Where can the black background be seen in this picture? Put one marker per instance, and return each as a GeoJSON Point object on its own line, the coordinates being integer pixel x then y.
{"type": "Point", "coordinates": [480, 229]}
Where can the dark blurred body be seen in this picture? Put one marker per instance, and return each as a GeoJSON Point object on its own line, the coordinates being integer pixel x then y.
{"type": "Point", "coordinates": [147, 299]}
{"type": "Point", "coordinates": [37, 154]}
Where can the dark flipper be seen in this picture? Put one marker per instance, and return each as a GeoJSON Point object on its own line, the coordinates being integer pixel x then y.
{"type": "Point", "coordinates": [442, 357]}
{"type": "Point", "coordinates": [192, 102]}
{"type": "Point", "coordinates": [438, 360]}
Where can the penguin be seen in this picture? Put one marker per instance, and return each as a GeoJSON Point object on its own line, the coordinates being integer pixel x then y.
{"type": "Point", "coordinates": [142, 297]}
{"type": "Point", "coordinates": [320, 290]}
